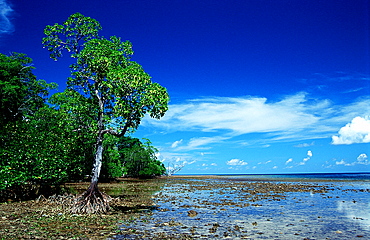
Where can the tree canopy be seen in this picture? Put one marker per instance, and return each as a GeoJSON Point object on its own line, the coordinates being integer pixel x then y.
{"type": "Point", "coordinates": [139, 159]}
{"type": "Point", "coordinates": [21, 92]}
{"type": "Point", "coordinates": [119, 91]}
{"type": "Point", "coordinates": [104, 71]}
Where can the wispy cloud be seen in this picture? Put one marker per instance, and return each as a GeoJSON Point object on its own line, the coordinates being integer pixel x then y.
{"type": "Point", "coordinates": [239, 115]}
{"type": "Point", "coordinates": [301, 145]}
{"type": "Point", "coordinates": [5, 12]}
{"type": "Point", "coordinates": [176, 143]}
{"type": "Point", "coordinates": [357, 131]}
{"type": "Point", "coordinates": [260, 163]}
{"type": "Point", "coordinates": [338, 82]}
{"type": "Point", "coordinates": [198, 143]}
{"type": "Point", "coordinates": [247, 121]}
{"type": "Point", "coordinates": [354, 90]}
{"type": "Point", "coordinates": [295, 117]}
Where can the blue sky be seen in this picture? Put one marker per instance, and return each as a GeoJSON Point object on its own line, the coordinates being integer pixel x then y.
{"type": "Point", "coordinates": [256, 86]}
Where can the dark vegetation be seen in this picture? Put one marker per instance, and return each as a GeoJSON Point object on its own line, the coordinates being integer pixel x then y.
{"type": "Point", "coordinates": [46, 141]}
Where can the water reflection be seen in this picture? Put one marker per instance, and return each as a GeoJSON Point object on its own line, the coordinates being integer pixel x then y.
{"type": "Point", "coordinates": [218, 209]}
{"type": "Point", "coordinates": [359, 212]}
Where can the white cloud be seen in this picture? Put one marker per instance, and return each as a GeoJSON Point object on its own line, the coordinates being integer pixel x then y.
{"type": "Point", "coordinates": [305, 160]}
{"type": "Point", "coordinates": [185, 162]}
{"type": "Point", "coordinates": [236, 162]}
{"type": "Point", "coordinates": [5, 10]}
{"type": "Point", "coordinates": [206, 164]}
{"type": "Point", "coordinates": [342, 162]}
{"type": "Point", "coordinates": [200, 142]}
{"type": "Point", "coordinates": [295, 117]}
{"type": "Point", "coordinates": [239, 115]}
{"type": "Point", "coordinates": [289, 161]}
{"type": "Point", "coordinates": [218, 120]}
{"type": "Point", "coordinates": [362, 159]}
{"type": "Point", "coordinates": [357, 131]}
{"type": "Point", "coordinates": [176, 143]}
{"type": "Point", "coordinates": [309, 153]}
{"type": "Point", "coordinates": [171, 158]}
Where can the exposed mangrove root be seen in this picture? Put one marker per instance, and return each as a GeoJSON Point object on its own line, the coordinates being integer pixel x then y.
{"type": "Point", "coordinates": [91, 201]}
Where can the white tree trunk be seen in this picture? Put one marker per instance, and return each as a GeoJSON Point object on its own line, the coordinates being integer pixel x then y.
{"type": "Point", "coordinates": [98, 161]}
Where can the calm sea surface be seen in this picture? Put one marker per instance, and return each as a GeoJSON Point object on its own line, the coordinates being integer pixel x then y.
{"type": "Point", "coordinates": [335, 206]}
{"type": "Point", "coordinates": [302, 177]}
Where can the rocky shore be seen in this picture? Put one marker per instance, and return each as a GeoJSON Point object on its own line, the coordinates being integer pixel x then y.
{"type": "Point", "coordinates": [199, 207]}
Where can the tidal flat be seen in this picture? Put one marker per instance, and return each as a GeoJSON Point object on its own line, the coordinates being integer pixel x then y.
{"type": "Point", "coordinates": [202, 207]}
{"type": "Point", "coordinates": [222, 208]}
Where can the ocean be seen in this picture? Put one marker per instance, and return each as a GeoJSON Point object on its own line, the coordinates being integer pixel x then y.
{"type": "Point", "coordinates": [302, 176]}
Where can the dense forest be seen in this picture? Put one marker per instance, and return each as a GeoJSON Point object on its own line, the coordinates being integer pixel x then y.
{"type": "Point", "coordinates": [49, 139]}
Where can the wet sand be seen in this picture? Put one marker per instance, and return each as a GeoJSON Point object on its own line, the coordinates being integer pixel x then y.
{"type": "Point", "coordinates": [214, 207]}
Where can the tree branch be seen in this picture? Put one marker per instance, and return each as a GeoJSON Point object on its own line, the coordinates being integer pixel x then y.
{"type": "Point", "coordinates": [114, 133]}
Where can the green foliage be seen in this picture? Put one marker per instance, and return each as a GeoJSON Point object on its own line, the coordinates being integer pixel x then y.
{"type": "Point", "coordinates": [126, 156]}
{"type": "Point", "coordinates": [70, 34]}
{"type": "Point", "coordinates": [113, 165]}
{"type": "Point", "coordinates": [44, 150]}
{"type": "Point", "coordinates": [21, 92]}
{"type": "Point", "coordinates": [118, 90]}
{"type": "Point", "coordinates": [139, 159]}
{"type": "Point", "coordinates": [39, 143]}
{"type": "Point", "coordinates": [78, 110]}
{"type": "Point", "coordinates": [22, 97]}
{"type": "Point", "coordinates": [104, 71]}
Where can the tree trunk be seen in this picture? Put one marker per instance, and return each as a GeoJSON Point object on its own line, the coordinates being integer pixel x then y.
{"type": "Point", "coordinates": [92, 200]}
{"type": "Point", "coordinates": [98, 160]}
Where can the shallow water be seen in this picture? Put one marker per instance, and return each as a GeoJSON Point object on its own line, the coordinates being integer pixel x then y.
{"type": "Point", "coordinates": [220, 208]}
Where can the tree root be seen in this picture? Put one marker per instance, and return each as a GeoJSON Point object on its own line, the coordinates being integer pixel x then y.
{"type": "Point", "coordinates": [91, 201]}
